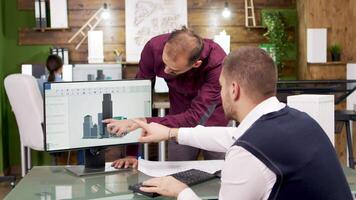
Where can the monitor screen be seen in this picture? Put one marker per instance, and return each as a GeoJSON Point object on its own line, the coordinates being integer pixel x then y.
{"type": "Point", "coordinates": [97, 72]}
{"type": "Point", "coordinates": [74, 112]}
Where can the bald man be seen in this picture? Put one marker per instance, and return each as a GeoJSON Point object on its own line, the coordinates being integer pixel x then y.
{"type": "Point", "coordinates": [191, 66]}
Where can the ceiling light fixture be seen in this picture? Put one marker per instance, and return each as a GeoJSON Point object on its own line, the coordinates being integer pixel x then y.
{"type": "Point", "coordinates": [226, 13]}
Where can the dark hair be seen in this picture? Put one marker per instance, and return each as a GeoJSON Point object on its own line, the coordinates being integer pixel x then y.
{"type": "Point", "coordinates": [184, 39]}
{"type": "Point", "coordinates": [53, 64]}
{"type": "Point", "coordinates": [254, 70]}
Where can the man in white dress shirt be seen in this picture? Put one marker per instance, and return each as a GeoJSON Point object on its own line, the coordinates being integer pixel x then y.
{"type": "Point", "coordinates": [275, 153]}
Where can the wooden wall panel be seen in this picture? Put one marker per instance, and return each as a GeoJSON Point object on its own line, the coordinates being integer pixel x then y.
{"type": "Point", "coordinates": [113, 35]}
{"type": "Point", "coordinates": [302, 44]}
{"type": "Point", "coordinates": [326, 72]}
{"type": "Point", "coordinates": [351, 29]}
{"type": "Point", "coordinates": [201, 4]}
{"type": "Point", "coordinates": [333, 15]}
{"type": "Point", "coordinates": [209, 4]}
{"type": "Point", "coordinates": [78, 17]}
{"type": "Point", "coordinates": [204, 16]}
{"type": "Point", "coordinates": [340, 19]}
{"type": "Point", "coordinates": [200, 17]}
{"type": "Point", "coordinates": [77, 4]}
{"type": "Point", "coordinates": [238, 34]}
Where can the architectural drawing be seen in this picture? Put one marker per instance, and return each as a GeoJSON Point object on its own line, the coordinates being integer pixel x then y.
{"type": "Point", "coordinates": [143, 10]}
{"type": "Point", "coordinates": [148, 18]}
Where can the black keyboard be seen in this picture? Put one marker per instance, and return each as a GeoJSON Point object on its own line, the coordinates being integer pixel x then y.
{"type": "Point", "coordinates": [190, 177]}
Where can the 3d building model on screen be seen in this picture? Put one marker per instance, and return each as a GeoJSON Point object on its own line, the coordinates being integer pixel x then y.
{"type": "Point", "coordinates": [99, 76]}
{"type": "Point", "coordinates": [99, 131]}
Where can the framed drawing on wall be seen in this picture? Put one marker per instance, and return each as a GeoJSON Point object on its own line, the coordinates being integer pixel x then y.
{"type": "Point", "coordinates": [148, 18]}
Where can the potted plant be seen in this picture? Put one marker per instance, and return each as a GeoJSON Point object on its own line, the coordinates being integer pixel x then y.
{"type": "Point", "coordinates": [276, 35]}
{"type": "Point", "coordinates": [335, 52]}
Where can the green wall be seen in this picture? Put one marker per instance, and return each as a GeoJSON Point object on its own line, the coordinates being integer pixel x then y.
{"type": "Point", "coordinates": [2, 44]}
{"type": "Point", "coordinates": [13, 56]}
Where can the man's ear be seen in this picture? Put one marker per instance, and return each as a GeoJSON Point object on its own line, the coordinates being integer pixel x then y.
{"type": "Point", "coordinates": [197, 64]}
{"type": "Point", "coordinates": [235, 91]}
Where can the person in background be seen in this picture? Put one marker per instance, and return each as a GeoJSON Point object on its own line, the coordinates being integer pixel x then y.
{"type": "Point", "coordinates": [54, 65]}
{"type": "Point", "coordinates": [191, 66]}
{"type": "Point", "coordinates": [276, 152]}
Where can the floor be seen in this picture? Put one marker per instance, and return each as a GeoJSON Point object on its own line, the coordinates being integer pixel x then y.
{"type": "Point", "coordinates": [4, 189]}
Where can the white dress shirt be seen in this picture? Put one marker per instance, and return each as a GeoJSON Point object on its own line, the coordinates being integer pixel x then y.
{"type": "Point", "coordinates": [243, 175]}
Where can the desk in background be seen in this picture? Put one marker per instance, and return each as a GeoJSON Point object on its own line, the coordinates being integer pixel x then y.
{"type": "Point", "coordinates": [340, 88]}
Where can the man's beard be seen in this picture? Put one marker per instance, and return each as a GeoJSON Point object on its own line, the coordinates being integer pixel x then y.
{"type": "Point", "coordinates": [228, 111]}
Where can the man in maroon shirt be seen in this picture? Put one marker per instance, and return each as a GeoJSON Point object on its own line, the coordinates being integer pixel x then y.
{"type": "Point", "coordinates": [191, 66]}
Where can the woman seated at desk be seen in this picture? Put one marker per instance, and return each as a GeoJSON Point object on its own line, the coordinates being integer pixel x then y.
{"type": "Point", "coordinates": [54, 66]}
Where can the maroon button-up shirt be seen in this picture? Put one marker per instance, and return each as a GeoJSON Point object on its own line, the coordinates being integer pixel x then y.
{"type": "Point", "coordinates": [195, 95]}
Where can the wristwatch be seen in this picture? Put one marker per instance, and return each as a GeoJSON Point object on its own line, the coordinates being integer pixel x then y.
{"type": "Point", "coordinates": [171, 136]}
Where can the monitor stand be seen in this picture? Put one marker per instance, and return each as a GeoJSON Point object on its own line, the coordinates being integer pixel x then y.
{"type": "Point", "coordinates": [94, 161]}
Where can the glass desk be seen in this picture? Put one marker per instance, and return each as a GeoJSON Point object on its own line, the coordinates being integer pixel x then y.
{"type": "Point", "coordinates": [55, 182]}
{"type": "Point", "coordinates": [49, 183]}
{"type": "Point", "coordinates": [351, 179]}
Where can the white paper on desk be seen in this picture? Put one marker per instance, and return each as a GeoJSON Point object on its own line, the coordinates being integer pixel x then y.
{"type": "Point", "coordinates": [159, 168]}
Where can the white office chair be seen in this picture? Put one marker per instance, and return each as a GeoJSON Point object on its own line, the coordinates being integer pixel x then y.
{"type": "Point", "coordinates": [27, 104]}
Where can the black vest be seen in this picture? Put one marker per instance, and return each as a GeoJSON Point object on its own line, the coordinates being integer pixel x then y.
{"type": "Point", "coordinates": [298, 151]}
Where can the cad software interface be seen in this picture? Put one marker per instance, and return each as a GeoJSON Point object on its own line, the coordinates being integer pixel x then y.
{"type": "Point", "coordinates": [74, 112]}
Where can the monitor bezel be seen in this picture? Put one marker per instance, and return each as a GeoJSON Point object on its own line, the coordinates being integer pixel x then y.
{"type": "Point", "coordinates": [81, 148]}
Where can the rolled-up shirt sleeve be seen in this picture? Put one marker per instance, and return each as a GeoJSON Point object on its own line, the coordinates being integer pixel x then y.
{"type": "Point", "coordinates": [201, 107]}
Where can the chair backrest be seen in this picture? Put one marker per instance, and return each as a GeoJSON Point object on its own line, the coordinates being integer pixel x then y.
{"type": "Point", "coordinates": [27, 104]}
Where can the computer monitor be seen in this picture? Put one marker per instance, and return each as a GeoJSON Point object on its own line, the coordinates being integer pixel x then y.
{"type": "Point", "coordinates": [35, 70]}
{"type": "Point", "coordinates": [40, 71]}
{"type": "Point", "coordinates": [97, 72]}
{"type": "Point", "coordinates": [74, 112]}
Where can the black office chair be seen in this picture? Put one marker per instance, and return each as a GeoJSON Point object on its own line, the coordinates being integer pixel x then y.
{"type": "Point", "coordinates": [345, 116]}
{"type": "Point", "coordinates": [11, 179]}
